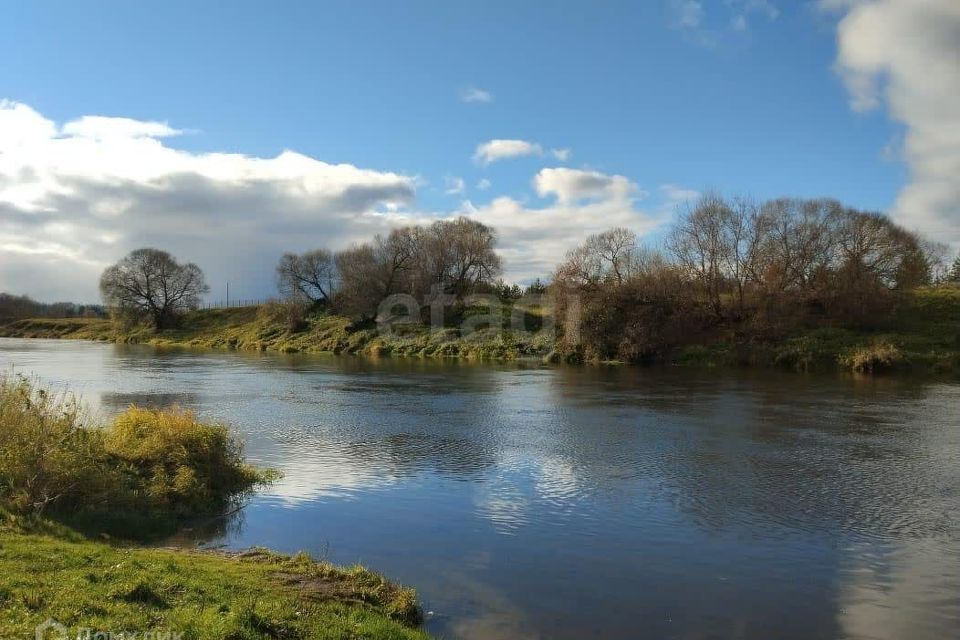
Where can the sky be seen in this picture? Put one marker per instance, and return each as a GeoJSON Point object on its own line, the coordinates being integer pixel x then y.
{"type": "Point", "coordinates": [228, 134]}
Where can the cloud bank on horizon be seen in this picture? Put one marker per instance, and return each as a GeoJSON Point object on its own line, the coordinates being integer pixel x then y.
{"type": "Point", "coordinates": [77, 197]}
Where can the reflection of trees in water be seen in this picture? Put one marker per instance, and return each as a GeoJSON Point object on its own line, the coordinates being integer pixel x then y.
{"type": "Point", "coordinates": [773, 452]}
{"type": "Point", "coordinates": [839, 459]}
{"type": "Point", "coordinates": [853, 468]}
{"type": "Point", "coordinates": [115, 401]}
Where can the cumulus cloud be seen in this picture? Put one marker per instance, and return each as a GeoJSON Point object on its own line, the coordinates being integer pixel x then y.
{"type": "Point", "coordinates": [76, 198]}
{"type": "Point", "coordinates": [483, 184]}
{"type": "Point", "coordinates": [100, 127]}
{"type": "Point", "coordinates": [475, 94]}
{"type": "Point", "coordinates": [534, 239]}
{"type": "Point", "coordinates": [494, 150]}
{"type": "Point", "coordinates": [572, 185]}
{"type": "Point", "coordinates": [904, 55]}
{"type": "Point", "coordinates": [561, 154]}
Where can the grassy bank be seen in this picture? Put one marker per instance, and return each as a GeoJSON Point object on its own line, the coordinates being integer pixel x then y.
{"type": "Point", "coordinates": [71, 489]}
{"type": "Point", "coordinates": [257, 328]}
{"type": "Point", "coordinates": [923, 334]}
{"type": "Point", "coordinates": [47, 571]}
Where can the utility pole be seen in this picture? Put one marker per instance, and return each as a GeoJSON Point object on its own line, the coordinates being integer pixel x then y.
{"type": "Point", "coordinates": [228, 294]}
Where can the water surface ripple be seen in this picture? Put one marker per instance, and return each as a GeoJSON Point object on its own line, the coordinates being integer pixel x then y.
{"type": "Point", "coordinates": [531, 502]}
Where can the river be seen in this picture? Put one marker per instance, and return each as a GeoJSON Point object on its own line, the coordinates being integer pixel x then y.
{"type": "Point", "coordinates": [525, 501]}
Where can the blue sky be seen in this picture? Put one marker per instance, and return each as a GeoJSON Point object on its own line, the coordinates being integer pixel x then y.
{"type": "Point", "coordinates": [738, 95]}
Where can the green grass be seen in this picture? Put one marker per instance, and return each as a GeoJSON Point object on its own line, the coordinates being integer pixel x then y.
{"type": "Point", "coordinates": [49, 572]}
{"type": "Point", "coordinates": [66, 485]}
{"type": "Point", "coordinates": [924, 330]}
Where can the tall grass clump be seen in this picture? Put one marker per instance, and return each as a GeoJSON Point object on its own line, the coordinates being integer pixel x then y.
{"type": "Point", "coordinates": [148, 468]}
{"type": "Point", "coordinates": [176, 464]}
{"type": "Point", "coordinates": [46, 456]}
{"type": "Point", "coordinates": [875, 358]}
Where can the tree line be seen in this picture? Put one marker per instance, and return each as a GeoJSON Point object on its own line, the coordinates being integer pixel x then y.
{"type": "Point", "coordinates": [13, 307]}
{"type": "Point", "coordinates": [758, 268]}
{"type": "Point", "coordinates": [448, 258]}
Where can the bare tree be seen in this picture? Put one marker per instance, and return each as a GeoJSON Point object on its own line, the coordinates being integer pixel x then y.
{"type": "Point", "coordinates": [307, 276]}
{"type": "Point", "coordinates": [361, 287]}
{"type": "Point", "coordinates": [616, 249]}
{"type": "Point", "coordinates": [875, 249]}
{"type": "Point", "coordinates": [604, 257]}
{"type": "Point", "coordinates": [697, 242]}
{"type": "Point", "coordinates": [370, 272]}
{"type": "Point", "coordinates": [743, 233]}
{"type": "Point", "coordinates": [954, 274]}
{"type": "Point", "coordinates": [396, 255]}
{"type": "Point", "coordinates": [151, 283]}
{"type": "Point", "coordinates": [935, 253]}
{"type": "Point", "coordinates": [452, 256]}
{"type": "Point", "coordinates": [800, 242]}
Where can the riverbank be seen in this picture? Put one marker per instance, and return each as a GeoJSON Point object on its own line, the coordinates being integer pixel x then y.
{"type": "Point", "coordinates": [70, 487]}
{"type": "Point", "coordinates": [48, 572]}
{"type": "Point", "coordinates": [257, 329]}
{"type": "Point", "coordinates": [923, 334]}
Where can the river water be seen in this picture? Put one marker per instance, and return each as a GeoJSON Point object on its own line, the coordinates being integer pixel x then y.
{"type": "Point", "coordinates": [535, 502]}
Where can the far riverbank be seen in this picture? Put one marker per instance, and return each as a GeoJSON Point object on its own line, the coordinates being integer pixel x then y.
{"type": "Point", "coordinates": [923, 336]}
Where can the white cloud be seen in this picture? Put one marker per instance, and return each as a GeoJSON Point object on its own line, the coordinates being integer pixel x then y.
{"type": "Point", "coordinates": [75, 199]}
{"type": "Point", "coordinates": [21, 126]}
{"type": "Point", "coordinates": [484, 184]}
{"type": "Point", "coordinates": [571, 185]}
{"type": "Point", "coordinates": [534, 239]}
{"type": "Point", "coordinates": [495, 150]}
{"type": "Point", "coordinates": [677, 194]}
{"type": "Point", "coordinates": [100, 127]}
{"type": "Point", "coordinates": [905, 55]}
{"type": "Point", "coordinates": [455, 185]}
{"type": "Point", "coordinates": [475, 94]}
{"type": "Point", "coordinates": [561, 154]}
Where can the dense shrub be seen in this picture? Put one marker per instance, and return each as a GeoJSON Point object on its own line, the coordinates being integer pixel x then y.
{"type": "Point", "coordinates": [146, 465]}
{"type": "Point", "coordinates": [174, 463]}
{"type": "Point", "coordinates": [291, 313]}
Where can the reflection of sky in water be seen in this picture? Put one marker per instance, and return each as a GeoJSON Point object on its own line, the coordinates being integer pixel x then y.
{"type": "Point", "coordinates": [578, 503]}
